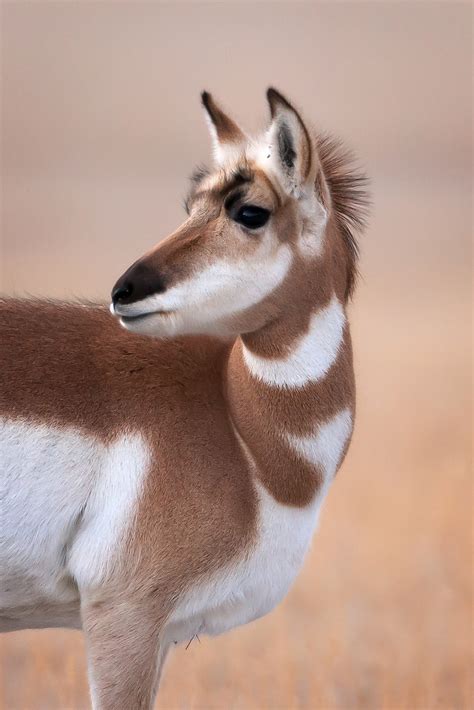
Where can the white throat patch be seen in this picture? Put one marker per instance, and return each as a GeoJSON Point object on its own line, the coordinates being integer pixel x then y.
{"type": "Point", "coordinates": [310, 358]}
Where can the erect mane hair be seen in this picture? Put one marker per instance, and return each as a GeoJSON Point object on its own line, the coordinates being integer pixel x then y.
{"type": "Point", "coordinates": [348, 187]}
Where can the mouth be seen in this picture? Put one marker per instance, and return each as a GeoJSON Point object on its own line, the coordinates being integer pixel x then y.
{"type": "Point", "coordinates": [140, 318]}
{"type": "Point", "coordinates": [140, 322]}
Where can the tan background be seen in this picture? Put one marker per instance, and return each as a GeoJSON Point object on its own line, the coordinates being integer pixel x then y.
{"type": "Point", "coordinates": [100, 127]}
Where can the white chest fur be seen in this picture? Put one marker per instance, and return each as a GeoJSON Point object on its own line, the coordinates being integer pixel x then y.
{"type": "Point", "coordinates": [253, 585]}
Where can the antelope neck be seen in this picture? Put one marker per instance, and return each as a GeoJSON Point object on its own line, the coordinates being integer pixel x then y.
{"type": "Point", "coordinates": [282, 394]}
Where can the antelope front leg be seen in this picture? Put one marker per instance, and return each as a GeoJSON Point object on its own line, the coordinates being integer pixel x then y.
{"type": "Point", "coordinates": [124, 652]}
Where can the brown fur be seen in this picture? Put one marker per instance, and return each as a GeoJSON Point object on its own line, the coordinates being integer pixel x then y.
{"type": "Point", "coordinates": [171, 391]}
{"type": "Point", "coordinates": [227, 131]}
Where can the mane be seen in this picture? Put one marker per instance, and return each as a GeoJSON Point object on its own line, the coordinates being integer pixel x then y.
{"type": "Point", "coordinates": [348, 187]}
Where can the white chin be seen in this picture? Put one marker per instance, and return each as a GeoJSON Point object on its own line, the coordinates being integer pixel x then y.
{"type": "Point", "coordinates": [158, 325]}
{"type": "Point", "coordinates": [173, 325]}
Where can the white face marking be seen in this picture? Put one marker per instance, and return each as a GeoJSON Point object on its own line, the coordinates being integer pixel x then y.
{"type": "Point", "coordinates": [324, 448]}
{"type": "Point", "coordinates": [223, 289]}
{"type": "Point", "coordinates": [310, 358]}
{"type": "Point", "coordinates": [68, 500]}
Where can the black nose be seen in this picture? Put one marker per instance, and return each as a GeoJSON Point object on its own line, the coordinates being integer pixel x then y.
{"type": "Point", "coordinates": [138, 282]}
{"type": "Point", "coordinates": [122, 294]}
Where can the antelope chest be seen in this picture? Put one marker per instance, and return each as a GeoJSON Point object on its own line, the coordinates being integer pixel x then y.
{"type": "Point", "coordinates": [254, 584]}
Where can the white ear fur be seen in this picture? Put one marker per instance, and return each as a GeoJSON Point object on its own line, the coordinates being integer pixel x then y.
{"type": "Point", "coordinates": [228, 139]}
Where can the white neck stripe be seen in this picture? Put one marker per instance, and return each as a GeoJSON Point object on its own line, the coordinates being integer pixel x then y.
{"type": "Point", "coordinates": [312, 356]}
{"type": "Point", "coordinates": [324, 448]}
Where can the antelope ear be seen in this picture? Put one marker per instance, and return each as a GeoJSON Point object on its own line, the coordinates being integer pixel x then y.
{"type": "Point", "coordinates": [228, 139]}
{"type": "Point", "coordinates": [291, 149]}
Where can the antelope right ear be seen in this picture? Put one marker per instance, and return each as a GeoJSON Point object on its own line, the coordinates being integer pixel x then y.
{"type": "Point", "coordinates": [228, 139]}
{"type": "Point", "coordinates": [291, 149]}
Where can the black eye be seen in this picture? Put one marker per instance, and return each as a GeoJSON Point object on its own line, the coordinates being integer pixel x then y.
{"type": "Point", "coordinates": [251, 216]}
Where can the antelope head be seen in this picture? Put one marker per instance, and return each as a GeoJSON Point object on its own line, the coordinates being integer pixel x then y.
{"type": "Point", "coordinates": [253, 241]}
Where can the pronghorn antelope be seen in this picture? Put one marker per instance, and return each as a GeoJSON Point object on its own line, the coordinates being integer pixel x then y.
{"type": "Point", "coordinates": [156, 488]}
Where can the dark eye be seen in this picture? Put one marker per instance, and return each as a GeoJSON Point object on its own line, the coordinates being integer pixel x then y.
{"type": "Point", "coordinates": [251, 216]}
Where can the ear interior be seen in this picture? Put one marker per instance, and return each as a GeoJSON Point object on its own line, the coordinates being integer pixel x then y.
{"type": "Point", "coordinates": [291, 145]}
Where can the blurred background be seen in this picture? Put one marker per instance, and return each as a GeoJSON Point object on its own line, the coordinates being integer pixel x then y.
{"type": "Point", "coordinates": [101, 125]}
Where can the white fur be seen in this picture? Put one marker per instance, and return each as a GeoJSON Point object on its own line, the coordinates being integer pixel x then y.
{"type": "Point", "coordinates": [110, 509]}
{"type": "Point", "coordinates": [260, 150]}
{"type": "Point", "coordinates": [310, 358]}
{"type": "Point", "coordinates": [325, 446]}
{"type": "Point", "coordinates": [315, 216]}
{"type": "Point", "coordinates": [224, 153]}
{"type": "Point", "coordinates": [224, 288]}
{"type": "Point", "coordinates": [67, 501]}
{"type": "Point", "coordinates": [252, 586]}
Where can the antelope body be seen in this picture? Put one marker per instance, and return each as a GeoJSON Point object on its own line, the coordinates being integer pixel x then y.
{"type": "Point", "coordinates": [155, 488]}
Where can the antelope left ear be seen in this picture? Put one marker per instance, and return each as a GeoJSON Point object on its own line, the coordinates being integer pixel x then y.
{"type": "Point", "coordinates": [227, 137]}
{"type": "Point", "coordinates": [291, 149]}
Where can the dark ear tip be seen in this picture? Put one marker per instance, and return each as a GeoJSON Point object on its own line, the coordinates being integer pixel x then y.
{"type": "Point", "coordinates": [275, 98]}
{"type": "Point", "coordinates": [272, 98]}
{"type": "Point", "coordinates": [205, 98]}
